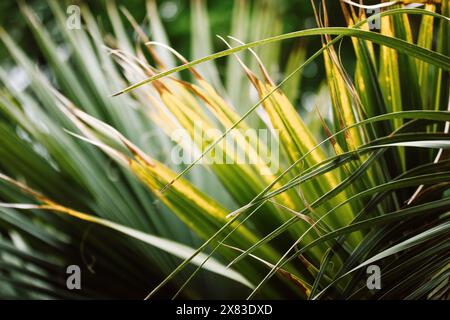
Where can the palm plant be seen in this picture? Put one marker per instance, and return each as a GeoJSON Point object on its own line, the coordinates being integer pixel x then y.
{"type": "Point", "coordinates": [87, 177]}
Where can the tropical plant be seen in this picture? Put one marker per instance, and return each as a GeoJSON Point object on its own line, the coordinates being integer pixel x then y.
{"type": "Point", "coordinates": [363, 178]}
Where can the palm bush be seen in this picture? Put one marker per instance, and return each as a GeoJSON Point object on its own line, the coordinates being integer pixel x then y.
{"type": "Point", "coordinates": [88, 179]}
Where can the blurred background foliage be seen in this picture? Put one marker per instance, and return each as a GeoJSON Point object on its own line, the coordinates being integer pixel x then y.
{"type": "Point", "coordinates": [291, 15]}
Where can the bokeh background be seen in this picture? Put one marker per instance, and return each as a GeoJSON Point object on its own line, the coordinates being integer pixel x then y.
{"type": "Point", "coordinates": [266, 18]}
